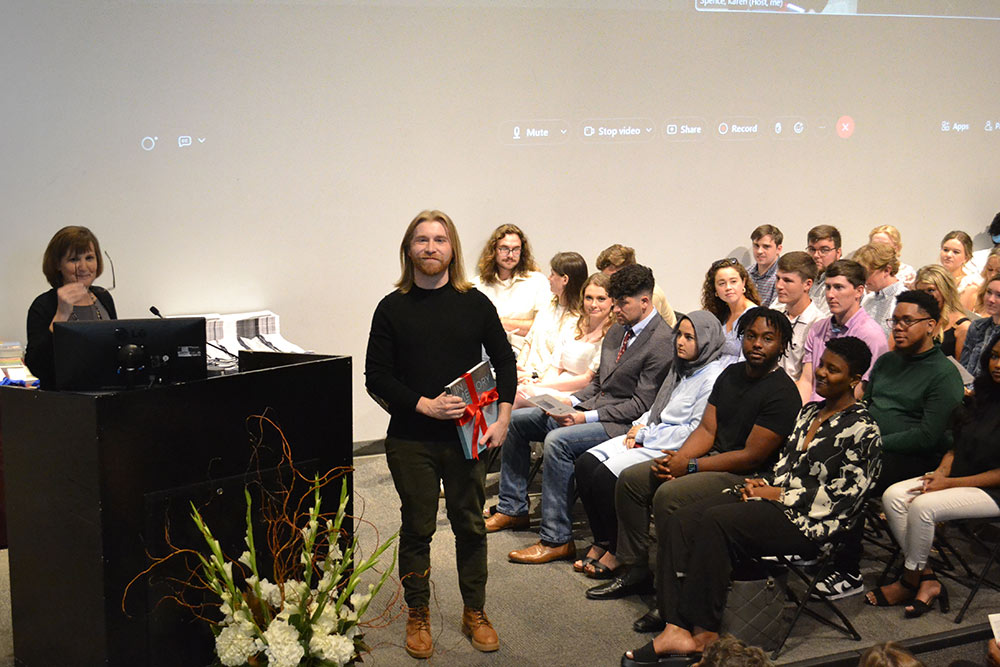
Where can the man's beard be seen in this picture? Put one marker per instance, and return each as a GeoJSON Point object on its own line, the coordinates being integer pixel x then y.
{"type": "Point", "coordinates": [430, 267]}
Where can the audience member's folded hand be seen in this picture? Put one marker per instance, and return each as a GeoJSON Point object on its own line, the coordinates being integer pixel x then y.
{"type": "Point", "coordinates": [660, 468]}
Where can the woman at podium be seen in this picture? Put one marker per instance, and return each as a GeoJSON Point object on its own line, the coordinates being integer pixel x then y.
{"type": "Point", "coordinates": [71, 263]}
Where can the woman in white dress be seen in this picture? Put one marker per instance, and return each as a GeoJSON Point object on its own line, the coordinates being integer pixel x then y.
{"type": "Point", "coordinates": [557, 319]}
{"type": "Point", "coordinates": [577, 357]}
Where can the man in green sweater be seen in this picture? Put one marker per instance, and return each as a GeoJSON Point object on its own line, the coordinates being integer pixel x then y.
{"type": "Point", "coordinates": [912, 392]}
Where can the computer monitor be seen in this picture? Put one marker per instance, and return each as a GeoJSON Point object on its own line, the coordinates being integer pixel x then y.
{"type": "Point", "coordinates": [114, 354]}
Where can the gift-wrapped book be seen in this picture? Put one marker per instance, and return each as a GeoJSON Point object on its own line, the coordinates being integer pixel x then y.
{"type": "Point", "coordinates": [478, 388]}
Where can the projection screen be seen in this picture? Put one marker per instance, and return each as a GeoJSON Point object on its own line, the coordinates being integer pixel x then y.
{"type": "Point", "coordinates": [238, 155]}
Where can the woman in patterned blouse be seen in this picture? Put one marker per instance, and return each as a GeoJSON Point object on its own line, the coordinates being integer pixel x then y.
{"type": "Point", "coordinates": [818, 484]}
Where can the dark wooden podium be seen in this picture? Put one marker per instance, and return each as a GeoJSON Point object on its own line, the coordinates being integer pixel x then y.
{"type": "Point", "coordinates": [92, 479]}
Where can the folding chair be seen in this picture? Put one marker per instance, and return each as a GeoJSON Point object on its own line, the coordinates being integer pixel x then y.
{"type": "Point", "coordinates": [823, 566]}
{"type": "Point", "coordinates": [968, 529]}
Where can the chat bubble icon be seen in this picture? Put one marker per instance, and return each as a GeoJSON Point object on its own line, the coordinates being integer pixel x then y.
{"type": "Point", "coordinates": [183, 140]}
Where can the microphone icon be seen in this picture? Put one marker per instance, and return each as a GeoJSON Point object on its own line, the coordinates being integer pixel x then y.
{"type": "Point", "coordinates": [517, 131]}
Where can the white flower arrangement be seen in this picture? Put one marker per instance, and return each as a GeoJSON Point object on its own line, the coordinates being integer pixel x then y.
{"type": "Point", "coordinates": [307, 621]}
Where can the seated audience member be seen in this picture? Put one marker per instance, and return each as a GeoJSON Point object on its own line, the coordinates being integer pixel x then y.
{"type": "Point", "coordinates": [806, 499]}
{"type": "Point", "coordinates": [982, 330]}
{"type": "Point", "coordinates": [635, 357]}
{"type": "Point", "coordinates": [880, 263]}
{"type": "Point", "coordinates": [889, 654]}
{"type": "Point", "coordinates": [954, 323]}
{"type": "Point", "coordinates": [616, 256]}
{"type": "Point", "coordinates": [727, 293]}
{"type": "Point", "coordinates": [675, 413]}
{"type": "Point", "coordinates": [796, 273]}
{"type": "Point", "coordinates": [912, 393]}
{"type": "Point", "coordinates": [555, 321]}
{"type": "Point", "coordinates": [845, 285]}
{"type": "Point", "coordinates": [965, 485]}
{"type": "Point", "coordinates": [750, 412]}
{"type": "Point", "coordinates": [509, 276]}
{"type": "Point", "coordinates": [889, 234]}
{"type": "Point", "coordinates": [991, 269]}
{"type": "Point", "coordinates": [979, 257]}
{"type": "Point", "coordinates": [71, 263]}
{"type": "Point", "coordinates": [823, 245]}
{"type": "Point", "coordinates": [575, 360]}
{"type": "Point", "coordinates": [728, 651]}
{"type": "Point", "coordinates": [766, 241]}
{"type": "Point", "coordinates": [956, 251]}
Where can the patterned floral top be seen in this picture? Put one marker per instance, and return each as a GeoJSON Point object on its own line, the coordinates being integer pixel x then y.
{"type": "Point", "coordinates": [824, 485]}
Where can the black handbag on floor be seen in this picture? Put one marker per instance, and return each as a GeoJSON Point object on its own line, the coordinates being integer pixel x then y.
{"type": "Point", "coordinates": [756, 610]}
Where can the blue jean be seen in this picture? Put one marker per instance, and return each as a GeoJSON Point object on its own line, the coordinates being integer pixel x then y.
{"type": "Point", "coordinates": [562, 446]}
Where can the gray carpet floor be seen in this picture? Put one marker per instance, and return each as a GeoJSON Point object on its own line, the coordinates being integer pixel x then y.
{"type": "Point", "coordinates": [540, 611]}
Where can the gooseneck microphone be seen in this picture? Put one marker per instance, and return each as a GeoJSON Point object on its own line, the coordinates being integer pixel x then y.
{"type": "Point", "coordinates": [156, 311]}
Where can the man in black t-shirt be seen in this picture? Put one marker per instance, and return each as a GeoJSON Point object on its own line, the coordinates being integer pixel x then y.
{"type": "Point", "coordinates": [424, 335]}
{"type": "Point", "coordinates": [750, 412]}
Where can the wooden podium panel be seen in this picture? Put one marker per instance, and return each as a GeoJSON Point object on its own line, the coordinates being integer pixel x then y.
{"type": "Point", "coordinates": [91, 479]}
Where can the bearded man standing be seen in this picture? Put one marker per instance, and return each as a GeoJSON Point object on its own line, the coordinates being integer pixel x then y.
{"type": "Point", "coordinates": [423, 336]}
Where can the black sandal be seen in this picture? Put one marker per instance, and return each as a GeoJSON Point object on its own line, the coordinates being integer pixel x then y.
{"type": "Point", "coordinates": [918, 608]}
{"type": "Point", "coordinates": [647, 657]}
{"type": "Point", "coordinates": [881, 601]}
{"type": "Point", "coordinates": [601, 571]}
{"type": "Point", "coordinates": [584, 562]}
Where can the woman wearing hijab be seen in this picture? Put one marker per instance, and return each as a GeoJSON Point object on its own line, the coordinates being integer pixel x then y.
{"type": "Point", "coordinates": [676, 412]}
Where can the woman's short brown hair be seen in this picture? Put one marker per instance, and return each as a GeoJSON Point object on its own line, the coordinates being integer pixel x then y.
{"type": "Point", "coordinates": [69, 239]}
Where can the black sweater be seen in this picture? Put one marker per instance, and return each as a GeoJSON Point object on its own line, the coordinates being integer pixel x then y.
{"type": "Point", "coordinates": [39, 355]}
{"type": "Point", "coordinates": [421, 341]}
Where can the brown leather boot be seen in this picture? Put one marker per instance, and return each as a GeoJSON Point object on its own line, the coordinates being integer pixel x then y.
{"type": "Point", "coordinates": [418, 633]}
{"type": "Point", "coordinates": [477, 627]}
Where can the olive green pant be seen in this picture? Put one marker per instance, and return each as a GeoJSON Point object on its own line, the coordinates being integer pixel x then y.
{"type": "Point", "coordinates": [417, 469]}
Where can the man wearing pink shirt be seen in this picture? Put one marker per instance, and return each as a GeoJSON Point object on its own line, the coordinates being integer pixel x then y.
{"type": "Point", "coordinates": [845, 287]}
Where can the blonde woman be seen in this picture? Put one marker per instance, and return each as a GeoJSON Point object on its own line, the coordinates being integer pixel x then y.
{"type": "Point", "coordinates": [991, 269]}
{"type": "Point", "coordinates": [890, 235]}
{"type": "Point", "coordinates": [956, 251]}
{"type": "Point", "coordinates": [955, 319]}
{"type": "Point", "coordinates": [576, 358]}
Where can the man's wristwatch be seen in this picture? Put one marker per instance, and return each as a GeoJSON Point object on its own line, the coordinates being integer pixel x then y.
{"type": "Point", "coordinates": [692, 466]}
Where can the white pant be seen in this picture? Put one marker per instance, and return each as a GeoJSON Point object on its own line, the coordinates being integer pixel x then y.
{"type": "Point", "coordinates": [912, 516]}
{"type": "Point", "coordinates": [616, 458]}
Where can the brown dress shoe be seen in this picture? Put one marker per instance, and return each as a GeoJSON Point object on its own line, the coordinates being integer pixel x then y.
{"type": "Point", "coordinates": [418, 633]}
{"type": "Point", "coordinates": [500, 521]}
{"type": "Point", "coordinates": [540, 553]}
{"type": "Point", "coordinates": [477, 628]}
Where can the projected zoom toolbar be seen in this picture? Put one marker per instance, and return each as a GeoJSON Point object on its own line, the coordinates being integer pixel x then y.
{"type": "Point", "coordinates": [533, 132]}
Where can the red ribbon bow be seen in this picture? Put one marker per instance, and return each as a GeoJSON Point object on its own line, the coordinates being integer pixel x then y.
{"type": "Point", "coordinates": [474, 410]}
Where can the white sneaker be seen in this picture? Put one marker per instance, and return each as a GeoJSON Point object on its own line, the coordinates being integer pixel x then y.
{"type": "Point", "coordinates": [838, 585]}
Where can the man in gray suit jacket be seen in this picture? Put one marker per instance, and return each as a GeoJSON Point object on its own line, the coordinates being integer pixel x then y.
{"type": "Point", "coordinates": [635, 357]}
